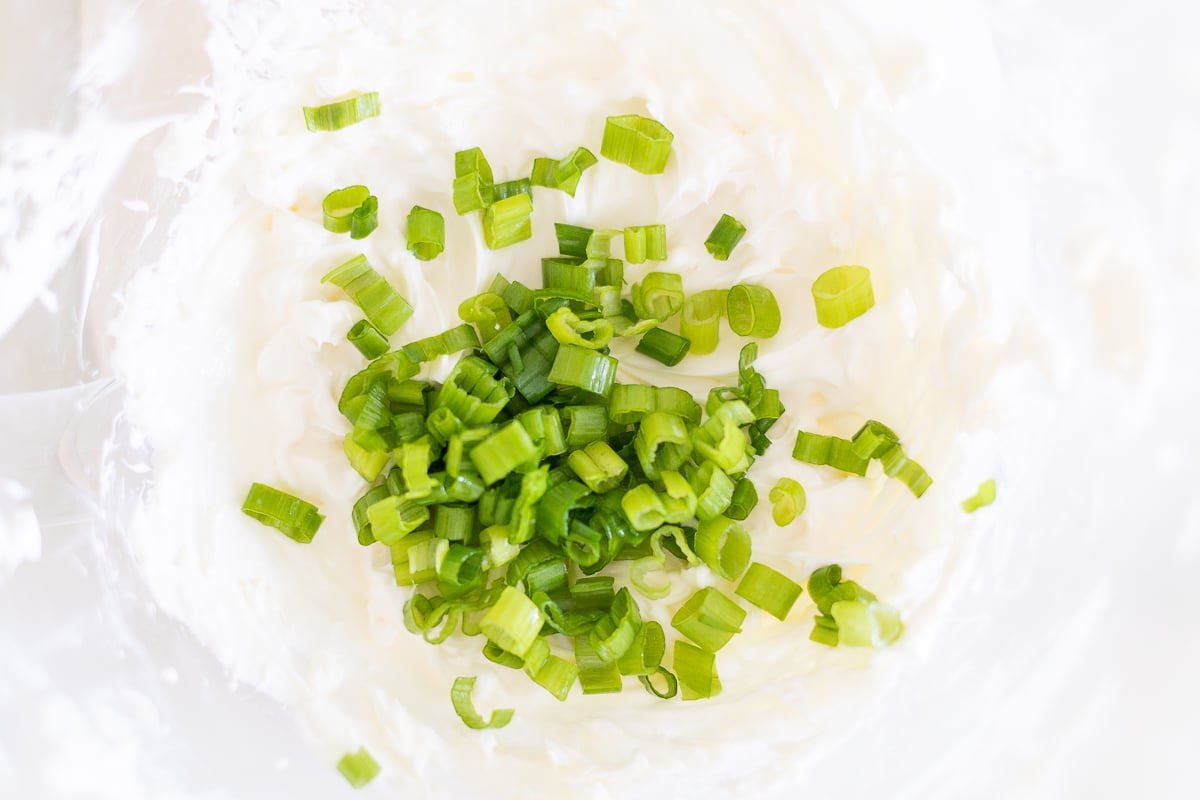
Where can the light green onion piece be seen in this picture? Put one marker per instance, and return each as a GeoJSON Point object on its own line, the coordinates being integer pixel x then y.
{"type": "Point", "coordinates": [909, 472]}
{"type": "Point", "coordinates": [745, 498]}
{"type": "Point", "coordinates": [772, 591]}
{"type": "Point", "coordinates": [426, 233]}
{"type": "Point", "coordinates": [596, 676]}
{"type": "Point", "coordinates": [506, 221]}
{"type": "Point", "coordinates": [502, 452]}
{"type": "Point", "coordinates": [340, 204]}
{"type": "Point", "coordinates": [294, 518]}
{"type": "Point", "coordinates": [714, 490]}
{"type": "Point", "coordinates": [752, 311]}
{"type": "Point", "coordinates": [513, 622]}
{"type": "Point", "coordinates": [700, 321]}
{"type": "Point", "coordinates": [460, 697]}
{"type": "Point", "coordinates": [358, 768]}
{"type": "Point", "coordinates": [663, 346]}
{"type": "Point", "coordinates": [385, 309]}
{"type": "Point", "coordinates": [335, 116]}
{"type": "Point", "coordinates": [866, 625]}
{"type": "Point", "coordinates": [696, 670]}
{"type": "Point", "coordinates": [643, 507]}
{"type": "Point", "coordinates": [458, 338]}
{"type": "Point", "coordinates": [598, 466]}
{"type": "Point", "coordinates": [724, 237]}
{"type": "Point", "coordinates": [645, 655]}
{"type": "Point", "coordinates": [639, 142]}
{"type": "Point", "coordinates": [842, 294]}
{"type": "Point", "coordinates": [645, 243]}
{"type": "Point", "coordinates": [724, 545]}
{"type": "Point", "coordinates": [787, 501]}
{"type": "Point", "coordinates": [556, 675]}
{"type": "Point", "coordinates": [567, 328]}
{"type": "Point", "coordinates": [709, 618]}
{"type": "Point", "coordinates": [985, 496]}
{"type": "Point", "coordinates": [659, 296]}
{"type": "Point", "coordinates": [365, 218]}
{"type": "Point", "coordinates": [662, 443]}
{"type": "Point", "coordinates": [367, 463]}
{"type": "Point", "coordinates": [472, 181]}
{"type": "Point", "coordinates": [873, 439]}
{"type": "Point", "coordinates": [488, 312]}
{"type": "Point", "coordinates": [393, 518]}
{"type": "Point", "coordinates": [367, 339]}
{"type": "Point", "coordinates": [821, 450]}
{"type": "Point", "coordinates": [639, 577]}
{"type": "Point", "coordinates": [562, 174]}
{"type": "Point", "coordinates": [583, 368]}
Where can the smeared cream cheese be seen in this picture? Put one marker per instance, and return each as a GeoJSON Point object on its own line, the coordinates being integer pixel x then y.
{"type": "Point", "coordinates": [830, 146]}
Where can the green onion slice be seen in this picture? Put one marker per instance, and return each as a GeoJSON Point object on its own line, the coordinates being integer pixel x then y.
{"type": "Point", "coordinates": [787, 501]}
{"type": "Point", "coordinates": [659, 296]}
{"type": "Point", "coordinates": [909, 472]}
{"type": "Point", "coordinates": [358, 768]}
{"type": "Point", "coordinates": [426, 233]}
{"type": "Point", "coordinates": [367, 339]}
{"type": "Point", "coordinates": [709, 618]}
{"type": "Point", "coordinates": [385, 309]}
{"type": "Point", "coordinates": [639, 142]}
{"type": "Point", "coordinates": [724, 545]}
{"type": "Point", "coordinates": [842, 294]}
{"type": "Point", "coordinates": [340, 204]}
{"type": "Point", "coordinates": [984, 496]}
{"type": "Point", "coordinates": [506, 221]}
{"type": "Point", "coordinates": [696, 670]}
{"type": "Point", "coordinates": [460, 696]}
{"type": "Point", "coordinates": [700, 322]}
{"type": "Point", "coordinates": [645, 243]}
{"type": "Point", "coordinates": [583, 368]}
{"type": "Point", "coordinates": [752, 311]}
{"type": "Point", "coordinates": [335, 116]}
{"type": "Point", "coordinates": [663, 346]}
{"type": "Point", "coordinates": [745, 498]}
{"type": "Point", "coordinates": [724, 237]}
{"type": "Point", "coordinates": [572, 239]}
{"type": "Point", "coordinates": [365, 218]}
{"type": "Point", "coordinates": [670, 689]}
{"type": "Point", "coordinates": [567, 328]}
{"type": "Point", "coordinates": [513, 622]}
{"type": "Point", "coordinates": [872, 624]}
{"type": "Point", "coordinates": [596, 675]}
{"type": "Point", "coordinates": [769, 590]}
{"type": "Point", "coordinates": [294, 518]}
{"type": "Point", "coordinates": [821, 450]}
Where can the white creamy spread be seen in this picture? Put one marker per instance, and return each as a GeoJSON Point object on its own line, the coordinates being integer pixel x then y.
{"type": "Point", "coordinates": [794, 122]}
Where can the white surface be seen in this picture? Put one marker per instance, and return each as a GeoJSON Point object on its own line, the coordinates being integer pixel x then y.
{"type": "Point", "coordinates": [1050, 678]}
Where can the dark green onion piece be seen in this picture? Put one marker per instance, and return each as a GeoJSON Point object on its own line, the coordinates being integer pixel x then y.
{"type": "Point", "coordinates": [724, 237]}
{"type": "Point", "coordinates": [700, 321]}
{"type": "Point", "coordinates": [501, 191]}
{"type": "Point", "coordinates": [506, 221]}
{"type": "Point", "coordinates": [842, 294]}
{"type": "Point", "coordinates": [659, 296]}
{"type": "Point", "coordinates": [787, 501]}
{"type": "Point", "coordinates": [724, 545]}
{"type": "Point", "coordinates": [294, 518]}
{"type": "Point", "coordinates": [572, 239]}
{"type": "Point", "coordinates": [339, 205]}
{"type": "Point", "coordinates": [645, 243]}
{"type": "Point", "coordinates": [672, 685]}
{"type": "Point", "coordinates": [386, 309]}
{"type": "Point", "coordinates": [358, 768]}
{"type": "Point", "coordinates": [663, 346]}
{"type": "Point", "coordinates": [769, 590]}
{"type": "Point", "coordinates": [640, 142]}
{"type": "Point", "coordinates": [985, 496]}
{"type": "Point", "coordinates": [821, 450]}
{"type": "Point", "coordinates": [335, 116]}
{"type": "Point", "coordinates": [460, 696]}
{"type": "Point", "coordinates": [709, 618]}
{"type": "Point", "coordinates": [426, 233]}
{"type": "Point", "coordinates": [365, 218]}
{"type": "Point", "coordinates": [696, 671]}
{"type": "Point", "coordinates": [752, 311]}
{"type": "Point", "coordinates": [367, 339]}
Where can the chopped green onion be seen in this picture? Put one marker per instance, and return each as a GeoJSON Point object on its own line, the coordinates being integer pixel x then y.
{"type": "Point", "coordinates": [472, 181]}
{"type": "Point", "coordinates": [873, 440]}
{"type": "Point", "coordinates": [358, 768]}
{"type": "Point", "coordinates": [393, 518]}
{"type": "Point", "coordinates": [460, 337]}
{"type": "Point", "coordinates": [644, 508]}
{"type": "Point", "coordinates": [769, 590]}
{"type": "Point", "coordinates": [367, 339]}
{"type": "Point", "coordinates": [343, 113]}
{"type": "Point", "coordinates": [663, 346]}
{"type": "Point", "coordinates": [787, 501]}
{"type": "Point", "coordinates": [583, 368]}
{"type": "Point", "coordinates": [426, 233]}
{"type": "Point", "coordinates": [821, 450]}
{"type": "Point", "coordinates": [501, 191]}
{"type": "Point", "coordinates": [661, 443]}
{"type": "Point", "coordinates": [596, 676]}
{"type": "Point", "coordinates": [724, 545]}
{"type": "Point", "coordinates": [714, 490]}
{"type": "Point", "coordinates": [659, 296]}
{"type": "Point", "coordinates": [909, 472]}
{"type": "Point", "coordinates": [513, 622]}
{"type": "Point", "coordinates": [572, 239]}
{"type": "Point", "coordinates": [598, 466]}
{"type": "Point", "coordinates": [873, 624]}
{"type": "Point", "coordinates": [553, 512]}
{"type": "Point", "coordinates": [568, 272]}
{"type": "Point", "coordinates": [584, 424]}
{"type": "Point", "coordinates": [502, 452]}
{"type": "Point", "coordinates": [506, 221]}
{"type": "Point", "coordinates": [562, 174]}
{"type": "Point", "coordinates": [340, 204]}
{"type": "Point", "coordinates": [594, 592]}
{"type": "Point", "coordinates": [709, 618]}
{"type": "Point", "coordinates": [724, 237]}
{"type": "Point", "coordinates": [639, 574]}
{"type": "Point", "coordinates": [294, 518]}
{"type": "Point", "coordinates": [567, 328]}
{"type": "Point", "coordinates": [460, 696]}
{"type": "Point", "coordinates": [556, 675]}
{"type": "Point", "coordinates": [701, 319]}
{"type": "Point", "coordinates": [752, 311]}
{"type": "Point", "coordinates": [473, 393]}
{"type": "Point", "coordinates": [488, 312]}
{"type": "Point", "coordinates": [645, 243]}
{"type": "Point", "coordinates": [640, 142]}
{"type": "Point", "coordinates": [985, 496]}
{"type": "Point", "coordinates": [825, 631]}
{"type": "Point", "coordinates": [842, 294]}
{"type": "Point", "coordinates": [614, 633]}
{"type": "Point", "coordinates": [696, 670]}
{"type": "Point", "coordinates": [672, 685]}
{"type": "Point", "coordinates": [386, 309]}
{"type": "Point", "coordinates": [645, 655]}
{"type": "Point", "coordinates": [365, 218]}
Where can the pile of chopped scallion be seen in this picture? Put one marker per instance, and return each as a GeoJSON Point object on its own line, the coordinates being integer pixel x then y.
{"type": "Point", "coordinates": [509, 494]}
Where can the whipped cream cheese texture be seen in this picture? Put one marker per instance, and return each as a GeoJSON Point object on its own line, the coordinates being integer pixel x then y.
{"type": "Point", "coordinates": [797, 122]}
